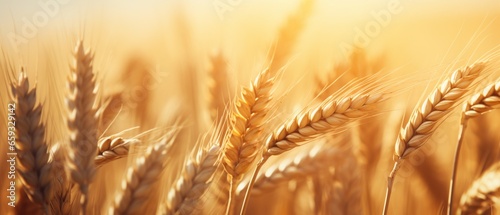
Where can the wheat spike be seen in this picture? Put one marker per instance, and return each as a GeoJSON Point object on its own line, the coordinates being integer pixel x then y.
{"type": "Point", "coordinates": [194, 181]}
{"type": "Point", "coordinates": [220, 91]}
{"type": "Point", "coordinates": [320, 120]}
{"type": "Point", "coordinates": [483, 193]}
{"type": "Point", "coordinates": [435, 108]}
{"type": "Point", "coordinates": [82, 121]}
{"type": "Point", "coordinates": [34, 166]}
{"type": "Point", "coordinates": [61, 202]}
{"type": "Point", "coordinates": [479, 104]}
{"type": "Point", "coordinates": [347, 188]}
{"type": "Point", "coordinates": [140, 179]}
{"type": "Point", "coordinates": [246, 120]}
{"type": "Point", "coordinates": [483, 102]}
{"type": "Point", "coordinates": [298, 167]}
{"type": "Point", "coordinates": [112, 148]}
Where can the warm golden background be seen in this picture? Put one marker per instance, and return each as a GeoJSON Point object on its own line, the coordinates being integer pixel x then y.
{"type": "Point", "coordinates": [156, 55]}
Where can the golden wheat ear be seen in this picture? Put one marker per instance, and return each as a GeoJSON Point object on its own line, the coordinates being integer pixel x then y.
{"type": "Point", "coordinates": [424, 120]}
{"type": "Point", "coordinates": [247, 118]}
{"type": "Point", "coordinates": [483, 193]}
{"type": "Point", "coordinates": [113, 148]}
{"type": "Point", "coordinates": [479, 104]}
{"type": "Point", "coordinates": [194, 181]}
{"type": "Point", "coordinates": [141, 177]}
{"type": "Point", "coordinates": [82, 121]}
{"type": "Point", "coordinates": [34, 167]}
{"type": "Point", "coordinates": [219, 86]}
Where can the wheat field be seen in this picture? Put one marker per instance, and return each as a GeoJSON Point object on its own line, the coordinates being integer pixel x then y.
{"type": "Point", "coordinates": [249, 107]}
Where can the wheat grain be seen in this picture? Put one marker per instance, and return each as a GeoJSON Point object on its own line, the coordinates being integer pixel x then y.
{"type": "Point", "coordinates": [32, 153]}
{"type": "Point", "coordinates": [112, 148]}
{"type": "Point", "coordinates": [194, 181]}
{"type": "Point", "coordinates": [138, 185]}
{"type": "Point", "coordinates": [483, 193]}
{"type": "Point", "coordinates": [82, 121]}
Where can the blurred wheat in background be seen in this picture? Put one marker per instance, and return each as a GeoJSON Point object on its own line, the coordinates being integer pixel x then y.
{"type": "Point", "coordinates": [249, 107]}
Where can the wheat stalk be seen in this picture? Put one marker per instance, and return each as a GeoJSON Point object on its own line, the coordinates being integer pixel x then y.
{"type": "Point", "coordinates": [194, 181]}
{"type": "Point", "coordinates": [32, 153]}
{"type": "Point", "coordinates": [483, 193]}
{"type": "Point", "coordinates": [479, 104]}
{"type": "Point", "coordinates": [434, 110]}
{"type": "Point", "coordinates": [112, 148]}
{"type": "Point", "coordinates": [82, 121]}
{"type": "Point", "coordinates": [140, 179]}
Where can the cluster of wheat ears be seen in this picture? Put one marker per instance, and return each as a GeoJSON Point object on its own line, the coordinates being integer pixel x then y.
{"type": "Point", "coordinates": [250, 157]}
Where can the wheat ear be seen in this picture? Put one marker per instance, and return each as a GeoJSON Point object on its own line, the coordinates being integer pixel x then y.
{"type": "Point", "coordinates": [194, 181]}
{"type": "Point", "coordinates": [327, 117]}
{"type": "Point", "coordinates": [289, 33]}
{"type": "Point", "coordinates": [112, 148]}
{"type": "Point", "coordinates": [140, 179]}
{"type": "Point", "coordinates": [61, 202]}
{"type": "Point", "coordinates": [247, 118]}
{"type": "Point", "coordinates": [347, 186]}
{"type": "Point", "coordinates": [483, 193]}
{"type": "Point", "coordinates": [82, 121]}
{"type": "Point", "coordinates": [298, 167]}
{"type": "Point", "coordinates": [479, 104]}
{"type": "Point", "coordinates": [434, 110]}
{"type": "Point", "coordinates": [34, 166]}
{"type": "Point", "coordinates": [218, 85]}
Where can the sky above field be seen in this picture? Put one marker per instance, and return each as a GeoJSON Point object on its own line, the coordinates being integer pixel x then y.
{"type": "Point", "coordinates": [335, 24]}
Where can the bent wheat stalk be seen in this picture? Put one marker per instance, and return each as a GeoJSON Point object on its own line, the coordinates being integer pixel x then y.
{"type": "Point", "coordinates": [479, 104]}
{"type": "Point", "coordinates": [34, 167]}
{"type": "Point", "coordinates": [82, 121]}
{"type": "Point", "coordinates": [484, 192]}
{"type": "Point", "coordinates": [193, 183]}
{"type": "Point", "coordinates": [433, 111]}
